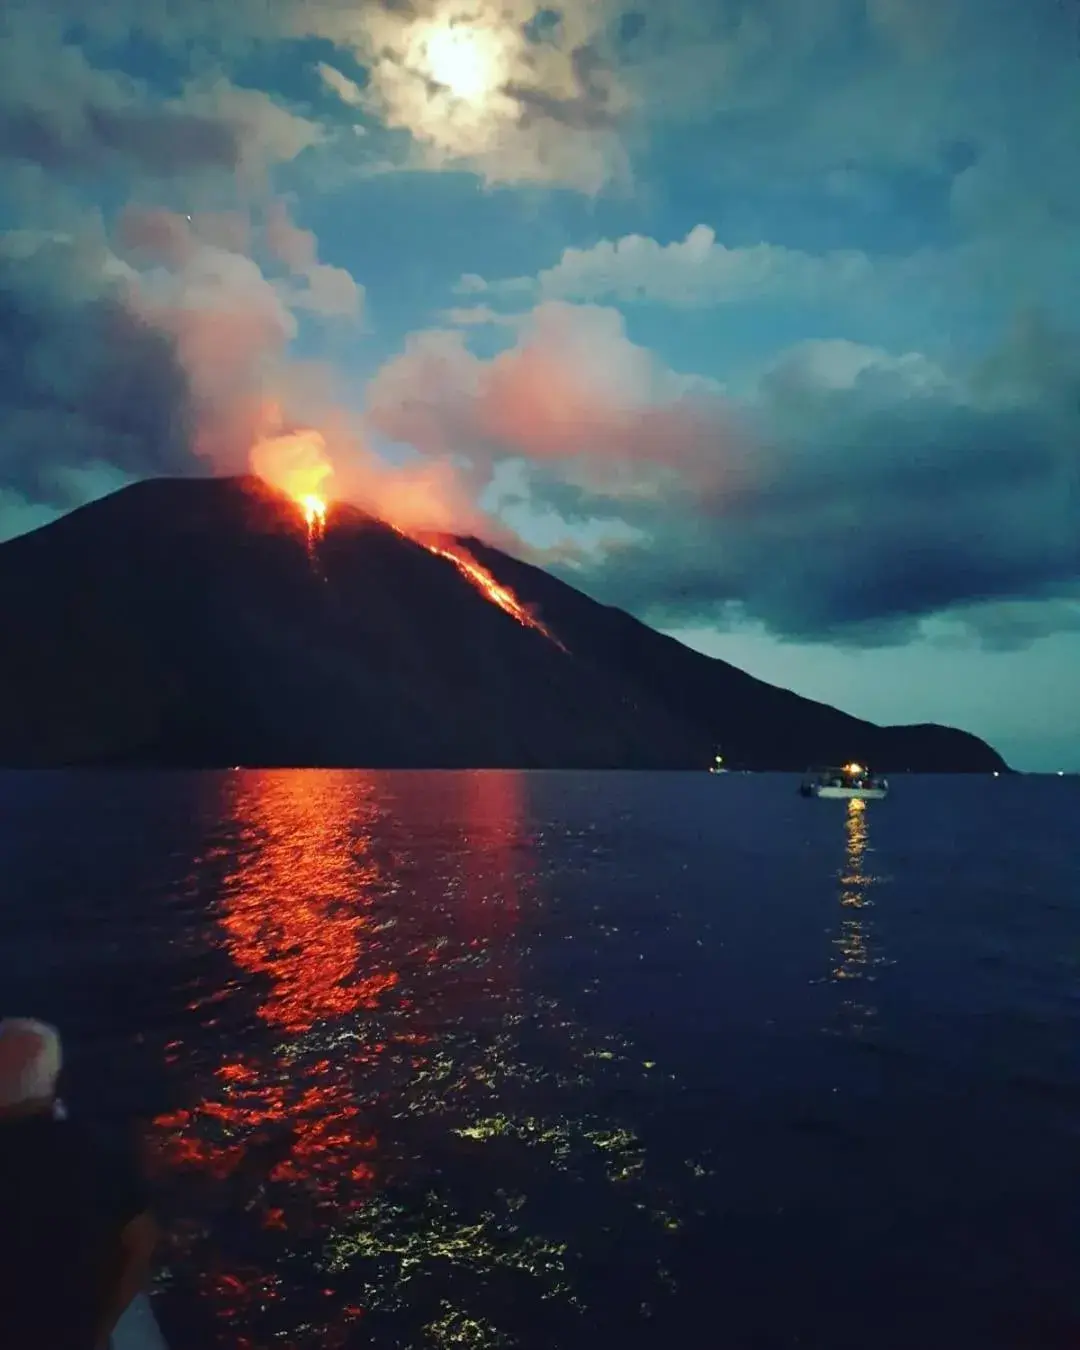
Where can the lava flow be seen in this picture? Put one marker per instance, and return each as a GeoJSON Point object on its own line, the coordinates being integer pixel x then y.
{"type": "Point", "coordinates": [298, 463]}
{"type": "Point", "coordinates": [502, 596]}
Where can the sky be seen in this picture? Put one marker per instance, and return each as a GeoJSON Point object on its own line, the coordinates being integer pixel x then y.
{"type": "Point", "coordinates": [757, 318]}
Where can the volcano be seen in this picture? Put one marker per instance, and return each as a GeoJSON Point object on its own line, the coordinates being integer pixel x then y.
{"type": "Point", "coordinates": [189, 623]}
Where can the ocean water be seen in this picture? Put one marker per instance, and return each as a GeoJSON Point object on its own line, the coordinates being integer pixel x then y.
{"type": "Point", "coordinates": [567, 1060]}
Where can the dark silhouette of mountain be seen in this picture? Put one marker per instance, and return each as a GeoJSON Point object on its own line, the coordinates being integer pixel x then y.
{"type": "Point", "coordinates": [187, 622]}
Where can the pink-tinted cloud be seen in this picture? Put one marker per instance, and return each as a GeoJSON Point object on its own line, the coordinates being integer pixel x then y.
{"type": "Point", "coordinates": [298, 249]}
{"type": "Point", "coordinates": [250, 405]}
{"type": "Point", "coordinates": [329, 291]}
{"type": "Point", "coordinates": [156, 236]}
{"type": "Point", "coordinates": [228, 324]}
{"type": "Point", "coordinates": [574, 390]}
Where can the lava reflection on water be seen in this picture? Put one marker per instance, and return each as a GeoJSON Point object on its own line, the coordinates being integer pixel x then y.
{"type": "Point", "coordinates": [298, 907]}
{"type": "Point", "coordinates": [402, 1129]}
{"type": "Point", "coordinates": [284, 1127]}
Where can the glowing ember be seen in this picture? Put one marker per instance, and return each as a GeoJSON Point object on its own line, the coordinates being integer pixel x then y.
{"type": "Point", "coordinates": [479, 577]}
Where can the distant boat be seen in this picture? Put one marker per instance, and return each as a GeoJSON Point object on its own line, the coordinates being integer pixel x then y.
{"type": "Point", "coordinates": [851, 782]}
{"type": "Point", "coordinates": [718, 766]}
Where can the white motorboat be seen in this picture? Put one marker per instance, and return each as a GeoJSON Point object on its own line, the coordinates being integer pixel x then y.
{"type": "Point", "coordinates": [850, 782]}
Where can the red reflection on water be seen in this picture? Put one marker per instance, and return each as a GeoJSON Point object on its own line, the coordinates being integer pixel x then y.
{"type": "Point", "coordinates": [295, 909]}
{"type": "Point", "coordinates": [284, 1140]}
{"type": "Point", "coordinates": [285, 1130]}
{"type": "Point", "coordinates": [492, 809]}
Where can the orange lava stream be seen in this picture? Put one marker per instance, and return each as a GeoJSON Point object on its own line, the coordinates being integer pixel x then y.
{"type": "Point", "coordinates": [500, 595]}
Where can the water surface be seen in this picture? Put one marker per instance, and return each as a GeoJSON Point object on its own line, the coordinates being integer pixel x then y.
{"type": "Point", "coordinates": [553, 1060]}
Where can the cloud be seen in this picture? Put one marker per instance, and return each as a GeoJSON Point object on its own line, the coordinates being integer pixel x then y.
{"type": "Point", "coordinates": [84, 380]}
{"type": "Point", "coordinates": [695, 271]}
{"type": "Point", "coordinates": [59, 111]}
{"type": "Point", "coordinates": [482, 87]}
{"type": "Point", "coordinates": [329, 291]}
{"type": "Point", "coordinates": [162, 352]}
{"type": "Point", "coordinates": [269, 132]}
{"type": "Point", "coordinates": [854, 494]}
{"type": "Point", "coordinates": [229, 327]}
{"type": "Point", "coordinates": [573, 391]}
{"type": "Point", "coordinates": [521, 92]}
{"type": "Point", "coordinates": [1012, 625]}
{"type": "Point", "coordinates": [478, 316]}
{"type": "Point", "coordinates": [471, 284]}
{"type": "Point", "coordinates": [347, 90]}
{"type": "Point", "coordinates": [881, 492]}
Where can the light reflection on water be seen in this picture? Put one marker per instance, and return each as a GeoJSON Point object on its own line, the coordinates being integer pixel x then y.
{"type": "Point", "coordinates": [458, 1161]}
{"type": "Point", "coordinates": [858, 956]}
{"type": "Point", "coordinates": [398, 1141]}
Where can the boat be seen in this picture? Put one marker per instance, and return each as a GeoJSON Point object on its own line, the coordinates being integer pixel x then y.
{"type": "Point", "coordinates": [848, 783]}
{"type": "Point", "coordinates": [718, 766]}
{"type": "Point", "coordinates": [138, 1328]}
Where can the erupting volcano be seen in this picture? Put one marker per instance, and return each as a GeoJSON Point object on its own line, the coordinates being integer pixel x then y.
{"type": "Point", "coordinates": [298, 464]}
{"type": "Point", "coordinates": [176, 623]}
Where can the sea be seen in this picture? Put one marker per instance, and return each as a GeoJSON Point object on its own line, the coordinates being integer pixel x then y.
{"type": "Point", "coordinates": [563, 1061]}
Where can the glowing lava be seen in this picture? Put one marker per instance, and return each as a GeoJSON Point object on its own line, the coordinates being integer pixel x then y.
{"type": "Point", "coordinates": [298, 464]}
{"type": "Point", "coordinates": [314, 509]}
{"type": "Point", "coordinates": [479, 577]}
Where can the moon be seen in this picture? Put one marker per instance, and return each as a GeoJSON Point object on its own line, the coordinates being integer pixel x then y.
{"type": "Point", "coordinates": [459, 58]}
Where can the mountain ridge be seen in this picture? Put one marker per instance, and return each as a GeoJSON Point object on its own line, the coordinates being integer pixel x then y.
{"type": "Point", "coordinates": [192, 623]}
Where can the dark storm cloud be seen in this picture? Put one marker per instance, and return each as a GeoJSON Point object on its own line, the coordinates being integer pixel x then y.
{"type": "Point", "coordinates": [83, 381]}
{"type": "Point", "coordinates": [853, 521]}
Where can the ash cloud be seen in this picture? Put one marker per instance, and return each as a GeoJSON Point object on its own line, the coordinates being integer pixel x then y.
{"type": "Point", "coordinates": [84, 381]}
{"type": "Point", "coordinates": [142, 345]}
{"type": "Point", "coordinates": [164, 351]}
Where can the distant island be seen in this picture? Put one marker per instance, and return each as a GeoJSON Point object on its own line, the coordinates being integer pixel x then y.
{"type": "Point", "coordinates": [201, 623]}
